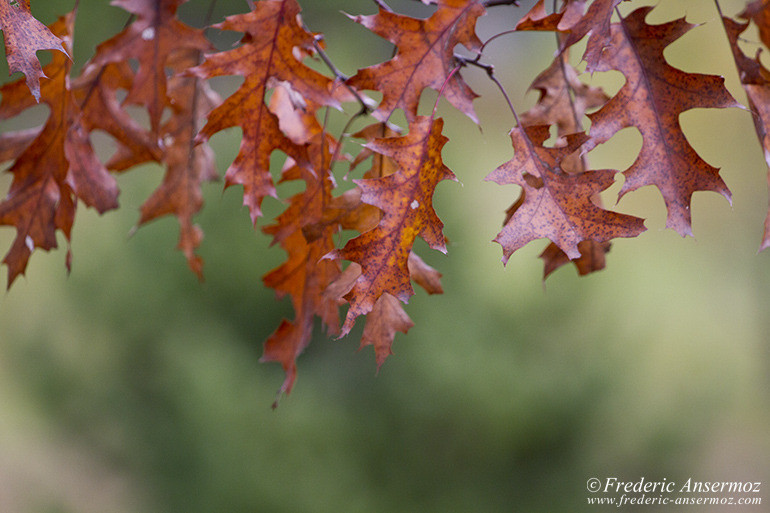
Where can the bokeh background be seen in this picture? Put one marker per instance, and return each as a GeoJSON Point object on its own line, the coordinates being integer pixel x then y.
{"type": "Point", "coordinates": [130, 387]}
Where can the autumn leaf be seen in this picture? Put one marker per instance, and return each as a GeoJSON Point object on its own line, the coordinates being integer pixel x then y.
{"type": "Point", "coordinates": [55, 169]}
{"type": "Point", "coordinates": [187, 165]}
{"type": "Point", "coordinates": [653, 97]}
{"type": "Point", "coordinates": [756, 82]}
{"type": "Point", "coordinates": [537, 18]}
{"type": "Point", "coordinates": [575, 25]}
{"type": "Point", "coordinates": [96, 90]}
{"type": "Point", "coordinates": [305, 275]}
{"type": "Point", "coordinates": [425, 57]}
{"type": "Point", "coordinates": [556, 205]}
{"type": "Point", "coordinates": [758, 11]}
{"type": "Point", "coordinates": [406, 200]}
{"type": "Point", "coordinates": [265, 58]}
{"type": "Point", "coordinates": [24, 36]}
{"type": "Point", "coordinates": [150, 39]}
{"type": "Point", "coordinates": [563, 102]}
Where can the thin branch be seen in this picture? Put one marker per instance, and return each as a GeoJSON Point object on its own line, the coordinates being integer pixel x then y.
{"type": "Point", "coordinates": [443, 86]}
{"type": "Point", "coordinates": [365, 109]}
{"type": "Point", "coordinates": [490, 69]}
{"type": "Point", "coordinates": [494, 3]}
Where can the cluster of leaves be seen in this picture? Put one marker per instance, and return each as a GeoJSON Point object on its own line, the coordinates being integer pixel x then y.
{"type": "Point", "coordinates": [162, 65]}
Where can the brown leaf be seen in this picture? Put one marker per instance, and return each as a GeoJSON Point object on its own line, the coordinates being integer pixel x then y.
{"type": "Point", "coordinates": [758, 11]}
{"type": "Point", "coordinates": [556, 205]}
{"type": "Point", "coordinates": [265, 58]}
{"type": "Point", "coordinates": [54, 169]}
{"type": "Point", "coordinates": [592, 257]}
{"type": "Point", "coordinates": [305, 275]}
{"type": "Point", "coordinates": [595, 24]}
{"type": "Point", "coordinates": [563, 102]}
{"type": "Point", "coordinates": [406, 200]}
{"type": "Point", "coordinates": [425, 57]}
{"type": "Point", "coordinates": [386, 318]}
{"type": "Point", "coordinates": [187, 165]}
{"type": "Point", "coordinates": [754, 78]}
{"type": "Point", "coordinates": [538, 19]}
{"type": "Point", "coordinates": [152, 37]}
{"type": "Point", "coordinates": [96, 91]}
{"type": "Point", "coordinates": [653, 97]}
{"type": "Point", "coordinates": [24, 36]}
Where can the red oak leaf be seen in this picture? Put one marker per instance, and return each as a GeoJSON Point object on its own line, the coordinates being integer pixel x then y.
{"type": "Point", "coordinates": [24, 36]}
{"type": "Point", "coordinates": [425, 57]}
{"type": "Point", "coordinates": [406, 200]}
{"type": "Point", "coordinates": [756, 82]}
{"type": "Point", "coordinates": [55, 169]}
{"type": "Point", "coordinates": [151, 39]}
{"type": "Point", "coordinates": [653, 97]}
{"type": "Point", "coordinates": [556, 205]}
{"type": "Point", "coordinates": [265, 58]}
{"type": "Point", "coordinates": [305, 275]}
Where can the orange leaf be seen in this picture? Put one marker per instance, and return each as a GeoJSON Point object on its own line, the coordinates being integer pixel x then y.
{"type": "Point", "coordinates": [406, 199]}
{"type": "Point", "coordinates": [425, 57]}
{"type": "Point", "coordinates": [653, 97]}
{"type": "Point", "coordinates": [24, 36]}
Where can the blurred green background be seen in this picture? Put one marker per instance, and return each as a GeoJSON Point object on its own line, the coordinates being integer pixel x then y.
{"type": "Point", "coordinates": [130, 387]}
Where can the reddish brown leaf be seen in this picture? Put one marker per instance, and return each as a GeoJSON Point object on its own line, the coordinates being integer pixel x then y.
{"type": "Point", "coordinates": [24, 36]}
{"type": "Point", "coordinates": [758, 11]}
{"type": "Point", "coordinates": [563, 102]}
{"type": "Point", "coordinates": [96, 91]}
{"type": "Point", "coordinates": [592, 257]}
{"type": "Point", "coordinates": [595, 24]}
{"type": "Point", "coordinates": [386, 318]}
{"type": "Point", "coordinates": [556, 205]}
{"type": "Point", "coordinates": [265, 57]}
{"type": "Point", "coordinates": [187, 165]}
{"type": "Point", "coordinates": [54, 169]}
{"type": "Point", "coordinates": [425, 57]}
{"type": "Point", "coordinates": [424, 275]}
{"type": "Point", "coordinates": [304, 276]}
{"type": "Point", "coordinates": [150, 39]}
{"type": "Point", "coordinates": [575, 25]}
{"type": "Point", "coordinates": [755, 81]}
{"type": "Point", "coordinates": [538, 19]}
{"type": "Point", "coordinates": [653, 97]}
{"type": "Point", "coordinates": [406, 199]}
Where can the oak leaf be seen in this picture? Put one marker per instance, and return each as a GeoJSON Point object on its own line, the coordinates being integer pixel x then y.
{"type": "Point", "coordinates": [265, 58]}
{"type": "Point", "coordinates": [151, 38]}
{"type": "Point", "coordinates": [563, 102]}
{"type": "Point", "coordinates": [24, 36]}
{"type": "Point", "coordinates": [305, 275]}
{"type": "Point", "coordinates": [55, 169]}
{"type": "Point", "coordinates": [406, 200]}
{"type": "Point", "coordinates": [574, 25]}
{"type": "Point", "coordinates": [187, 165]}
{"type": "Point", "coordinates": [755, 80]}
{"type": "Point", "coordinates": [424, 58]}
{"type": "Point", "coordinates": [556, 205]}
{"type": "Point", "coordinates": [653, 97]}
